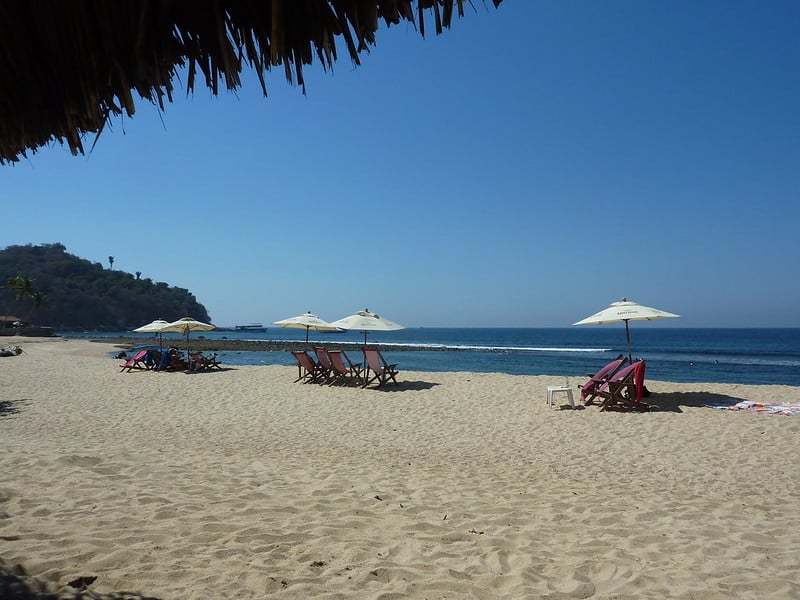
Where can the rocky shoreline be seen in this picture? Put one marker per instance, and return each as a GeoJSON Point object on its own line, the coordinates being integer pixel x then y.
{"type": "Point", "coordinates": [206, 345]}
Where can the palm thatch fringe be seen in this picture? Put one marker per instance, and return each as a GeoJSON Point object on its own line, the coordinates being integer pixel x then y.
{"type": "Point", "coordinates": [67, 67]}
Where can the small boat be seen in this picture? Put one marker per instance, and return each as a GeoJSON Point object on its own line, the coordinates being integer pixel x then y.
{"type": "Point", "coordinates": [256, 327]}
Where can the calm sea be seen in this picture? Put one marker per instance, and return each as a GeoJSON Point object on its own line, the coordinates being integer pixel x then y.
{"type": "Point", "coordinates": [750, 356]}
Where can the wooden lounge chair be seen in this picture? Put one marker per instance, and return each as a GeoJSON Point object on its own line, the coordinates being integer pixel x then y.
{"type": "Point", "coordinates": [625, 389]}
{"type": "Point", "coordinates": [135, 362]}
{"type": "Point", "coordinates": [324, 362]}
{"type": "Point", "coordinates": [171, 360]}
{"type": "Point", "coordinates": [344, 371]}
{"type": "Point", "coordinates": [309, 371]}
{"type": "Point", "coordinates": [589, 389]}
{"type": "Point", "coordinates": [382, 372]}
{"type": "Point", "coordinates": [199, 361]}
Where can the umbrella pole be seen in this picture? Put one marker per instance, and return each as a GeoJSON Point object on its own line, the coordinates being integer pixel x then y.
{"type": "Point", "coordinates": [364, 364]}
{"type": "Point", "coordinates": [628, 336]}
{"type": "Point", "coordinates": [307, 328]}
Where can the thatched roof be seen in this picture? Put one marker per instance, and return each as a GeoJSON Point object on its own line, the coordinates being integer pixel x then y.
{"type": "Point", "coordinates": [67, 66]}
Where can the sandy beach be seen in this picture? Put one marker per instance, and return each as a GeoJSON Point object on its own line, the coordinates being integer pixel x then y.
{"type": "Point", "coordinates": [240, 483]}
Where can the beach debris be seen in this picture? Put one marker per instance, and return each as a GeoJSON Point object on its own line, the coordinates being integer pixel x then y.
{"type": "Point", "coordinates": [318, 563]}
{"type": "Point", "coordinates": [283, 583]}
{"type": "Point", "coordinates": [377, 497]}
{"type": "Point", "coordinates": [82, 583]}
{"type": "Point", "coordinates": [476, 532]}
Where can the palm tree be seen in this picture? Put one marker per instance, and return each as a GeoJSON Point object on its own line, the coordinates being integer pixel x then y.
{"type": "Point", "coordinates": [23, 288]}
{"type": "Point", "coordinates": [111, 262]}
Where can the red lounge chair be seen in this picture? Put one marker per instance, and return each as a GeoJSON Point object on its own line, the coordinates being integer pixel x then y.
{"type": "Point", "coordinates": [625, 389]}
{"type": "Point", "coordinates": [137, 362]}
{"type": "Point", "coordinates": [382, 371]}
{"type": "Point", "coordinates": [309, 371]}
{"type": "Point", "coordinates": [345, 373]}
{"type": "Point", "coordinates": [324, 363]}
{"type": "Point", "coordinates": [589, 389]}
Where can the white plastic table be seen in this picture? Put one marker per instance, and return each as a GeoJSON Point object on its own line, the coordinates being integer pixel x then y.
{"type": "Point", "coordinates": [556, 389]}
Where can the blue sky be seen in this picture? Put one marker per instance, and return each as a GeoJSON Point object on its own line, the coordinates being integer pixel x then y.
{"type": "Point", "coordinates": [526, 168]}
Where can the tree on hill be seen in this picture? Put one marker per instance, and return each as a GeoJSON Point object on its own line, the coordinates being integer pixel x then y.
{"type": "Point", "coordinates": [24, 289]}
{"type": "Point", "coordinates": [81, 294]}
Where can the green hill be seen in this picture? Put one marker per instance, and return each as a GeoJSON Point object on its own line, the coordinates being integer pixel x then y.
{"type": "Point", "coordinates": [79, 294]}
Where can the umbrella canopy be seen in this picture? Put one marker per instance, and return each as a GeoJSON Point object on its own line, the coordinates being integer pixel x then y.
{"type": "Point", "coordinates": [366, 321]}
{"type": "Point", "coordinates": [156, 326]}
{"type": "Point", "coordinates": [306, 321]}
{"type": "Point", "coordinates": [625, 311]}
{"type": "Point", "coordinates": [185, 326]}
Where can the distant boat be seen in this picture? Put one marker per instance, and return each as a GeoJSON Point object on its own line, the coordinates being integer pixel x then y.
{"type": "Point", "coordinates": [255, 327]}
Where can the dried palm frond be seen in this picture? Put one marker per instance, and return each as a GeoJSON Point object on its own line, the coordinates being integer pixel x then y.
{"type": "Point", "coordinates": [67, 67]}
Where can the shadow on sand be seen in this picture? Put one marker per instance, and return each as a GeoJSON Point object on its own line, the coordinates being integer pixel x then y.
{"type": "Point", "coordinates": [204, 371]}
{"type": "Point", "coordinates": [403, 386]}
{"type": "Point", "coordinates": [15, 584]}
{"type": "Point", "coordinates": [10, 407]}
{"type": "Point", "coordinates": [673, 401]}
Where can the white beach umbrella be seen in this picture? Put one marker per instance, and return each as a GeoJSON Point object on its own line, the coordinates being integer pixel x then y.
{"type": "Point", "coordinates": [156, 326]}
{"type": "Point", "coordinates": [625, 311]}
{"type": "Point", "coordinates": [306, 321]}
{"type": "Point", "coordinates": [186, 325]}
{"type": "Point", "coordinates": [366, 321]}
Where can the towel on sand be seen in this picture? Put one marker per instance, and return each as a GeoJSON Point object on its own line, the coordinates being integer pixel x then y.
{"type": "Point", "coordinates": [773, 408]}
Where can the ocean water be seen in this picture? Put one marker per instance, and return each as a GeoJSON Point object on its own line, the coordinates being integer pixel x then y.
{"type": "Point", "coordinates": [747, 356]}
